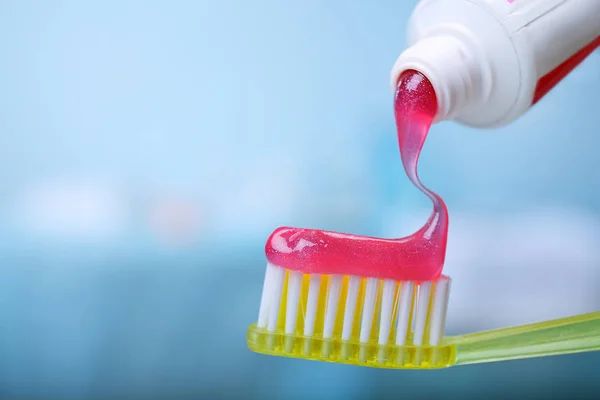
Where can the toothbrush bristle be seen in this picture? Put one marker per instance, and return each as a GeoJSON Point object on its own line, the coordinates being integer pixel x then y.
{"type": "Point", "coordinates": [352, 319]}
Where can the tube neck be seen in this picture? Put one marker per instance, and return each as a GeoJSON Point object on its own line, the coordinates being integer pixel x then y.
{"type": "Point", "coordinates": [453, 69]}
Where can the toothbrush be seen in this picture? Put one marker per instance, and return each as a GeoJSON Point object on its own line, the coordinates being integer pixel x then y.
{"type": "Point", "coordinates": [376, 323]}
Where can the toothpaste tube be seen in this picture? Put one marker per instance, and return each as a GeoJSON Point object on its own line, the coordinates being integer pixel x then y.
{"type": "Point", "coordinates": [489, 61]}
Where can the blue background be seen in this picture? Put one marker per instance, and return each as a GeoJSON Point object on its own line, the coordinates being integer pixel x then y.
{"type": "Point", "coordinates": [147, 150]}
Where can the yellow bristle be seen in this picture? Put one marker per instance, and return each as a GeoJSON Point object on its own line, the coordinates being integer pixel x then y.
{"type": "Point", "coordinates": [375, 323]}
{"type": "Point", "coordinates": [394, 327]}
{"type": "Point", "coordinates": [283, 305]}
{"type": "Point", "coordinates": [412, 310]}
{"type": "Point", "coordinates": [302, 303]}
{"type": "Point", "coordinates": [429, 311]}
{"type": "Point", "coordinates": [358, 313]}
{"type": "Point", "coordinates": [339, 318]}
{"type": "Point", "coordinates": [320, 319]}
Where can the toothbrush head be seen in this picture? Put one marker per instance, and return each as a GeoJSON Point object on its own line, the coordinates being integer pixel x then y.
{"type": "Point", "coordinates": [349, 319]}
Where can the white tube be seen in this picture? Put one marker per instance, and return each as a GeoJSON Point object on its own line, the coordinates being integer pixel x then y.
{"type": "Point", "coordinates": [485, 58]}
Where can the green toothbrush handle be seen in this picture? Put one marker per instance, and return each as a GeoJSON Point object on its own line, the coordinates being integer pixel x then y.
{"type": "Point", "coordinates": [561, 336]}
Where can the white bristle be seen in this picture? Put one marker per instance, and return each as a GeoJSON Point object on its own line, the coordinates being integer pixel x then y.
{"type": "Point", "coordinates": [293, 298]}
{"type": "Point", "coordinates": [278, 282]}
{"type": "Point", "coordinates": [265, 299]}
{"type": "Point", "coordinates": [368, 309]}
{"type": "Point", "coordinates": [404, 307]}
{"type": "Point", "coordinates": [387, 309]}
{"type": "Point", "coordinates": [440, 303]}
{"type": "Point", "coordinates": [438, 315]}
{"type": "Point", "coordinates": [421, 312]}
{"type": "Point", "coordinates": [333, 299]}
{"type": "Point", "coordinates": [446, 301]}
{"type": "Point", "coordinates": [311, 304]}
{"type": "Point", "coordinates": [353, 287]}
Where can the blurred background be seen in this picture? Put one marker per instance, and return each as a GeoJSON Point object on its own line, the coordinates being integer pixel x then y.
{"type": "Point", "coordinates": [148, 148]}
